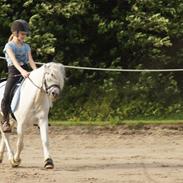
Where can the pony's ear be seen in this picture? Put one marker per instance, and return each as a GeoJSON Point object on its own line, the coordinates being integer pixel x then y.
{"type": "Point", "coordinates": [47, 66]}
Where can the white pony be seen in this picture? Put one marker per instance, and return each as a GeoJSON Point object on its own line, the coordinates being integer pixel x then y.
{"type": "Point", "coordinates": [36, 96]}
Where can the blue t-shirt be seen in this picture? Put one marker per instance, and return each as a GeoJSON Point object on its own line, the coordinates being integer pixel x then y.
{"type": "Point", "coordinates": [21, 52]}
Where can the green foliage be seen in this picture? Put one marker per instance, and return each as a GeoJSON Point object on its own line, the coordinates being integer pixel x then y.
{"type": "Point", "coordinates": [112, 34]}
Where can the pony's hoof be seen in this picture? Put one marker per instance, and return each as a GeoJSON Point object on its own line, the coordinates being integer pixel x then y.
{"type": "Point", "coordinates": [49, 164]}
{"type": "Point", "coordinates": [15, 163]}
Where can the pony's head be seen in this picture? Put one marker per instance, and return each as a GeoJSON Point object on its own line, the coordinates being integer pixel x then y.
{"type": "Point", "coordinates": [54, 76]}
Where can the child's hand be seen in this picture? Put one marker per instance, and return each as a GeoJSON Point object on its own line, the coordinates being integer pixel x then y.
{"type": "Point", "coordinates": [25, 74]}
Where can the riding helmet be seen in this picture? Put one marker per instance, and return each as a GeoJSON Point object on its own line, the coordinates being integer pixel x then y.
{"type": "Point", "coordinates": [20, 25]}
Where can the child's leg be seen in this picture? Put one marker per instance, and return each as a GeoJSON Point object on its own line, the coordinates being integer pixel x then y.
{"type": "Point", "coordinates": [6, 102]}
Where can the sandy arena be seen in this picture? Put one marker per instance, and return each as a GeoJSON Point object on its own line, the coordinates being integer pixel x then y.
{"type": "Point", "coordinates": [101, 155]}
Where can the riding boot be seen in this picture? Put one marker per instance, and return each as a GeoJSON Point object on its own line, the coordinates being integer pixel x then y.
{"type": "Point", "coordinates": [6, 125]}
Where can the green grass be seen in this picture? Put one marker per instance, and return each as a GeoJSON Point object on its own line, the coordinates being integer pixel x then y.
{"type": "Point", "coordinates": [124, 122]}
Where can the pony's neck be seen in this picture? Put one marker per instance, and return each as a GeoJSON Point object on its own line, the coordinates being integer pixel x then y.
{"type": "Point", "coordinates": [37, 76]}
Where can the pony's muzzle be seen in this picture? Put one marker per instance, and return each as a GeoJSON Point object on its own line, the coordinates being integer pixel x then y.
{"type": "Point", "coordinates": [54, 92]}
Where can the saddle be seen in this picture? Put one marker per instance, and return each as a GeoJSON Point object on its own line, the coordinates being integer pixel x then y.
{"type": "Point", "coordinates": [15, 93]}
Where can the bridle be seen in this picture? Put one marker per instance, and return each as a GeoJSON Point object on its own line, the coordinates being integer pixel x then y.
{"type": "Point", "coordinates": [49, 87]}
{"type": "Point", "coordinates": [44, 87]}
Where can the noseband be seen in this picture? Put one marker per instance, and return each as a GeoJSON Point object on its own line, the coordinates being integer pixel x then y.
{"type": "Point", "coordinates": [48, 87]}
{"type": "Point", "coordinates": [44, 87]}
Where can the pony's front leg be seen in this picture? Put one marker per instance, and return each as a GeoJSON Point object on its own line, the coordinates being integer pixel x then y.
{"type": "Point", "coordinates": [43, 124]}
{"type": "Point", "coordinates": [20, 144]}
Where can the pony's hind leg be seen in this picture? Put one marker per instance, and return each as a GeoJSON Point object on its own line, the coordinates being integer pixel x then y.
{"type": "Point", "coordinates": [2, 148]}
{"type": "Point", "coordinates": [2, 145]}
{"type": "Point", "coordinates": [5, 140]}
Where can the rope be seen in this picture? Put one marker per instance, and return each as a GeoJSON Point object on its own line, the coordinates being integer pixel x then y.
{"type": "Point", "coordinates": [124, 70]}
{"type": "Point", "coordinates": [3, 58]}
{"type": "Point", "coordinates": [115, 70]}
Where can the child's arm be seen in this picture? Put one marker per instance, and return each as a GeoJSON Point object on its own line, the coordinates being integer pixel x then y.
{"type": "Point", "coordinates": [23, 72]}
{"type": "Point", "coordinates": [31, 61]}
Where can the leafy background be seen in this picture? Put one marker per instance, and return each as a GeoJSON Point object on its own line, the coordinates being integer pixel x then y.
{"type": "Point", "coordinates": [128, 34]}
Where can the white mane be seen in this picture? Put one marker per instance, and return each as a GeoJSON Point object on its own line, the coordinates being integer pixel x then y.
{"type": "Point", "coordinates": [56, 73]}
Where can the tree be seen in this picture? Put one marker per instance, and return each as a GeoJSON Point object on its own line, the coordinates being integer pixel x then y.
{"type": "Point", "coordinates": [113, 34]}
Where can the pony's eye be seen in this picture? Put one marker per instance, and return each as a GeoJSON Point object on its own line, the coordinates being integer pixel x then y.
{"type": "Point", "coordinates": [52, 75]}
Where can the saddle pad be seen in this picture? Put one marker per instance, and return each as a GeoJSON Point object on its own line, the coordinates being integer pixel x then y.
{"type": "Point", "coordinates": [2, 86]}
{"type": "Point", "coordinates": [16, 96]}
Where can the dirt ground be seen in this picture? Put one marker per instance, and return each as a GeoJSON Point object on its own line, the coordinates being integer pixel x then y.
{"type": "Point", "coordinates": [101, 155]}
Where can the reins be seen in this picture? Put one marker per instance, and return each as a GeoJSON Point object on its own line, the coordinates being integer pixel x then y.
{"type": "Point", "coordinates": [40, 88]}
{"type": "Point", "coordinates": [29, 80]}
{"type": "Point", "coordinates": [43, 83]}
